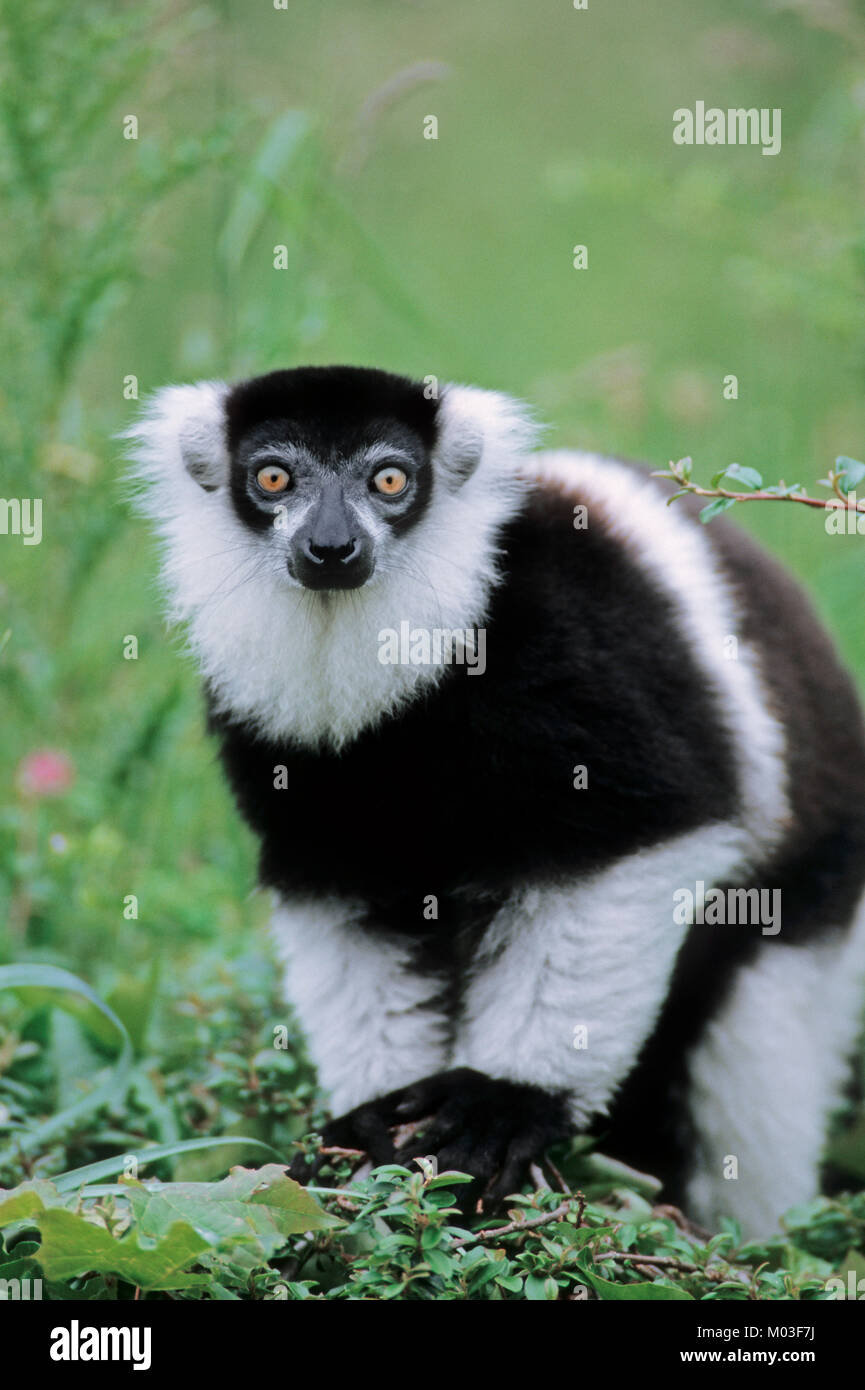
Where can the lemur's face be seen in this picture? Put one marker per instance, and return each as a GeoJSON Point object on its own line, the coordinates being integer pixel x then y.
{"type": "Point", "coordinates": [331, 468]}
{"type": "Point", "coordinates": [307, 513]}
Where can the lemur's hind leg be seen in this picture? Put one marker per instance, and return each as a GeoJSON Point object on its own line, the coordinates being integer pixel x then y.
{"type": "Point", "coordinates": [766, 1075]}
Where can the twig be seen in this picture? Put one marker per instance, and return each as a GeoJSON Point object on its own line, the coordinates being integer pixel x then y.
{"type": "Point", "coordinates": [824, 503]}
{"type": "Point", "coordinates": [662, 1261]}
{"type": "Point", "coordinates": [581, 1208]}
{"type": "Point", "coordinates": [680, 473]}
{"type": "Point", "coordinates": [646, 1264]}
{"type": "Point", "coordinates": [560, 1182]}
{"type": "Point", "coordinates": [537, 1176]}
{"type": "Point", "coordinates": [684, 1223]}
{"type": "Point", "coordinates": [512, 1227]}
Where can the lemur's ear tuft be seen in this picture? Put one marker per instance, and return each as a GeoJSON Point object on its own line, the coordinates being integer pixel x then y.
{"type": "Point", "coordinates": [473, 425]}
{"type": "Point", "coordinates": [182, 430]}
{"type": "Point", "coordinates": [459, 446]}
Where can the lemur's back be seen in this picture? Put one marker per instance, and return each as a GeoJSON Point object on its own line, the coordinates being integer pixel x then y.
{"type": "Point", "coordinates": [561, 801]}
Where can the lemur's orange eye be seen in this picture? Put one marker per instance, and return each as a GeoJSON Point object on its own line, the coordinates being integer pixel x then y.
{"type": "Point", "coordinates": [390, 481]}
{"type": "Point", "coordinates": [273, 478]}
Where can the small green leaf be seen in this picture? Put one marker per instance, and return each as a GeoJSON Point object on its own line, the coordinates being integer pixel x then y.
{"type": "Point", "coordinates": [852, 472]}
{"type": "Point", "coordinates": [537, 1289]}
{"type": "Point", "coordinates": [746, 477]}
{"type": "Point", "coordinates": [714, 508]}
{"type": "Point", "coordinates": [784, 490]}
{"type": "Point", "coordinates": [439, 1262]}
{"type": "Point", "coordinates": [446, 1179]}
{"type": "Point", "coordinates": [512, 1282]}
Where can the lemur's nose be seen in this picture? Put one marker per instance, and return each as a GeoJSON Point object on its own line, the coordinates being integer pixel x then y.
{"type": "Point", "coordinates": [332, 554]}
{"type": "Point", "coordinates": [332, 551]}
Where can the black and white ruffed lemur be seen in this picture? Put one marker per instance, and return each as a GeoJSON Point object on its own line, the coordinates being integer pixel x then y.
{"type": "Point", "coordinates": [471, 932]}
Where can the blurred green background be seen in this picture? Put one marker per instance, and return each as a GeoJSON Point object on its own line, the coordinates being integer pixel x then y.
{"type": "Point", "coordinates": [303, 127]}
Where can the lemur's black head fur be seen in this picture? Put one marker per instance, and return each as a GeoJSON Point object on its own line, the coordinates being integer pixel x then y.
{"type": "Point", "coordinates": [336, 457]}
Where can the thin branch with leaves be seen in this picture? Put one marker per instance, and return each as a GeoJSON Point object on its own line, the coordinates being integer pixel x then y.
{"type": "Point", "coordinates": [841, 481]}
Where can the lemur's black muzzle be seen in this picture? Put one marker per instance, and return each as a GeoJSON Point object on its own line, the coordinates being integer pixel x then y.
{"type": "Point", "coordinates": [331, 550]}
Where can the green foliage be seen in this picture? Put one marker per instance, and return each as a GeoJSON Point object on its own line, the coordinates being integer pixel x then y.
{"type": "Point", "coordinates": [256, 1234]}
{"type": "Point", "coordinates": [42, 983]}
{"type": "Point", "coordinates": [71, 243]}
{"type": "Point", "coordinates": [151, 1237]}
{"type": "Point", "coordinates": [398, 1235]}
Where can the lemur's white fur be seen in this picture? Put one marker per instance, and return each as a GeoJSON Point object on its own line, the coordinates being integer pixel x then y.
{"type": "Point", "coordinates": [768, 1073]}
{"type": "Point", "coordinates": [596, 952]}
{"type": "Point", "coordinates": [294, 666]}
{"type": "Point", "coordinates": [370, 1021]}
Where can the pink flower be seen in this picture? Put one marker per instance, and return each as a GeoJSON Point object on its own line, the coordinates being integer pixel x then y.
{"type": "Point", "coordinates": [46, 772]}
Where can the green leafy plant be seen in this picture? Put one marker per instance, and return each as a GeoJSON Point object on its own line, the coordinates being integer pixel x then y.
{"type": "Point", "coordinates": [398, 1235]}
{"type": "Point", "coordinates": [107, 1229]}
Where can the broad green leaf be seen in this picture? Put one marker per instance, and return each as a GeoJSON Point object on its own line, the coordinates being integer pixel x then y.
{"type": "Point", "coordinates": [484, 1275]}
{"type": "Point", "coordinates": [260, 1206]}
{"type": "Point", "coordinates": [609, 1291]}
{"type": "Point", "coordinates": [73, 1245]}
{"type": "Point", "coordinates": [27, 1201]}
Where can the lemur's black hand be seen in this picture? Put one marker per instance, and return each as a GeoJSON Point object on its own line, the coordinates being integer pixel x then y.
{"type": "Point", "coordinates": [489, 1128]}
{"type": "Point", "coordinates": [363, 1128]}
